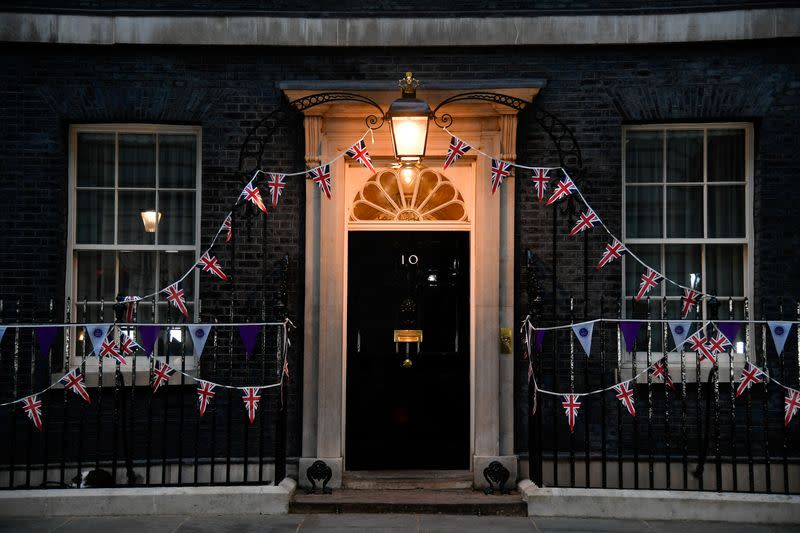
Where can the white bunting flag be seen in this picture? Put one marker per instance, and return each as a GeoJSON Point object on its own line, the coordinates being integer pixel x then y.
{"type": "Point", "coordinates": [97, 333]}
{"type": "Point", "coordinates": [584, 333]}
{"type": "Point", "coordinates": [780, 332]}
{"type": "Point", "coordinates": [199, 338]}
{"type": "Point", "coordinates": [680, 330]}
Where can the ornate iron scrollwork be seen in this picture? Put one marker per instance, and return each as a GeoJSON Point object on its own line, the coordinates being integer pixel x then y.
{"type": "Point", "coordinates": [569, 153]}
{"type": "Point", "coordinates": [266, 127]}
{"type": "Point", "coordinates": [496, 474]}
{"type": "Point", "coordinates": [319, 471]}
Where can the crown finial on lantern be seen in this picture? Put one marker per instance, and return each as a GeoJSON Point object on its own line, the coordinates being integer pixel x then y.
{"type": "Point", "coordinates": [409, 85]}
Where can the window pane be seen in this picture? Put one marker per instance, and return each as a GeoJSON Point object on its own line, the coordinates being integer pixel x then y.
{"type": "Point", "coordinates": [95, 275]}
{"type": "Point", "coordinates": [684, 156]}
{"type": "Point", "coordinates": [726, 157]}
{"type": "Point", "coordinates": [643, 211]}
{"type": "Point", "coordinates": [683, 265]}
{"type": "Point", "coordinates": [95, 160]}
{"type": "Point", "coordinates": [725, 269]}
{"type": "Point", "coordinates": [173, 265]}
{"type": "Point", "coordinates": [651, 255]}
{"type": "Point", "coordinates": [137, 160]}
{"type": "Point", "coordinates": [95, 217]}
{"type": "Point", "coordinates": [137, 274]}
{"type": "Point", "coordinates": [131, 229]}
{"type": "Point", "coordinates": [726, 211]}
{"type": "Point", "coordinates": [684, 211]}
{"type": "Point", "coordinates": [177, 156]}
{"type": "Point", "coordinates": [177, 224]}
{"type": "Point", "coordinates": [643, 156]}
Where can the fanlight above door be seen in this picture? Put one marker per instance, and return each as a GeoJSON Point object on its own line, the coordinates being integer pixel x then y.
{"type": "Point", "coordinates": [387, 196]}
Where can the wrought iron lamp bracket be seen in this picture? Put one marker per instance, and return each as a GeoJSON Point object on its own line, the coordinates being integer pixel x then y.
{"type": "Point", "coordinates": [373, 121]}
{"type": "Point", "coordinates": [569, 153]}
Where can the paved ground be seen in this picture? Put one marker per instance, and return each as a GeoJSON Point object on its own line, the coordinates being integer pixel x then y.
{"type": "Point", "coordinates": [352, 523]}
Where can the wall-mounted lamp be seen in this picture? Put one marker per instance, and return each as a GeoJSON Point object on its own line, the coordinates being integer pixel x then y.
{"type": "Point", "coordinates": [408, 117]}
{"type": "Point", "coordinates": [150, 220]}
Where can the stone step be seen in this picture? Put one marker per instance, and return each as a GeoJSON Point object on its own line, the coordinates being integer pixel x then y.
{"type": "Point", "coordinates": [417, 501]}
{"type": "Point", "coordinates": [407, 479]}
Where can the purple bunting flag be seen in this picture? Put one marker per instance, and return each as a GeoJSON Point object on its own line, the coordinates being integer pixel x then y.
{"type": "Point", "coordinates": [249, 334]}
{"type": "Point", "coordinates": [538, 340]}
{"type": "Point", "coordinates": [149, 335]}
{"type": "Point", "coordinates": [729, 329]}
{"type": "Point", "coordinates": [630, 330]}
{"type": "Point", "coordinates": [45, 335]}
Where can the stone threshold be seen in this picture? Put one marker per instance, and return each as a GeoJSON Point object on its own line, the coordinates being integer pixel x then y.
{"type": "Point", "coordinates": [407, 479]}
{"type": "Point", "coordinates": [417, 501]}
{"type": "Point", "coordinates": [660, 505]}
{"type": "Point", "coordinates": [216, 500]}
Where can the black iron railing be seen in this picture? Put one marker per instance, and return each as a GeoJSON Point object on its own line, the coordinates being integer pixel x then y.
{"type": "Point", "coordinates": [696, 435]}
{"type": "Point", "coordinates": [129, 434]}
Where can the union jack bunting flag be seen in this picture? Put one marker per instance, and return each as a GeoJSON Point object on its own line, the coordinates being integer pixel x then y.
{"type": "Point", "coordinates": [718, 344]}
{"type": "Point", "coordinates": [322, 177]}
{"type": "Point", "coordinates": [251, 398]}
{"type": "Point", "coordinates": [73, 381]}
{"type": "Point", "coordinates": [456, 149]}
{"type": "Point", "coordinates": [227, 225]}
{"type": "Point", "coordinates": [615, 250]}
{"type": "Point", "coordinates": [130, 307]}
{"type": "Point", "coordinates": [209, 263]}
{"type": "Point", "coordinates": [564, 188]}
{"type": "Point", "coordinates": [571, 404]}
{"type": "Point", "coordinates": [161, 374]}
{"type": "Point", "coordinates": [587, 220]}
{"type": "Point", "coordinates": [251, 194]}
{"type": "Point", "coordinates": [205, 391]}
{"type": "Point", "coordinates": [650, 279]}
{"type": "Point", "coordinates": [659, 373]}
{"type": "Point", "coordinates": [688, 301]}
{"type": "Point", "coordinates": [359, 152]}
{"type": "Point", "coordinates": [276, 183]}
{"type": "Point", "coordinates": [127, 345]}
{"type": "Point", "coordinates": [791, 404]}
{"type": "Point", "coordinates": [625, 395]}
{"type": "Point", "coordinates": [700, 345]}
{"type": "Point", "coordinates": [750, 375]}
{"type": "Point", "coordinates": [33, 408]}
{"type": "Point", "coordinates": [176, 298]}
{"type": "Point", "coordinates": [500, 171]}
{"type": "Point", "coordinates": [109, 349]}
{"type": "Point", "coordinates": [540, 179]}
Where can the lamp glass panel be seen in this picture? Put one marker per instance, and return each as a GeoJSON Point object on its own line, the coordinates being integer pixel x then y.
{"type": "Point", "coordinates": [409, 136]}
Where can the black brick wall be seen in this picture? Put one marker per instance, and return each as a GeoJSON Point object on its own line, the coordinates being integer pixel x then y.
{"type": "Point", "coordinates": [594, 90]}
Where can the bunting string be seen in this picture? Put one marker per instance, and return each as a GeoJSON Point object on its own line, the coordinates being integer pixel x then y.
{"type": "Point", "coordinates": [253, 195]}
{"type": "Point", "coordinates": [587, 220]}
{"type": "Point", "coordinates": [528, 328]}
{"type": "Point", "coordinates": [69, 379]}
{"type": "Point", "coordinates": [358, 151]}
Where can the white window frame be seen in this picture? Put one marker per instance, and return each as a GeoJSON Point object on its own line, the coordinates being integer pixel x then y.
{"type": "Point", "coordinates": [72, 246]}
{"type": "Point", "coordinates": [746, 242]}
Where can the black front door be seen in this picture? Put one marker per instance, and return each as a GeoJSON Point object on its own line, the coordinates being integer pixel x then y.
{"type": "Point", "coordinates": [408, 404]}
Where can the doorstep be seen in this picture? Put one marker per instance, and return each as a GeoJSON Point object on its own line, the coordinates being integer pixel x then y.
{"type": "Point", "coordinates": [660, 505]}
{"type": "Point", "coordinates": [406, 479]}
{"type": "Point", "coordinates": [414, 501]}
{"type": "Point", "coordinates": [216, 500]}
